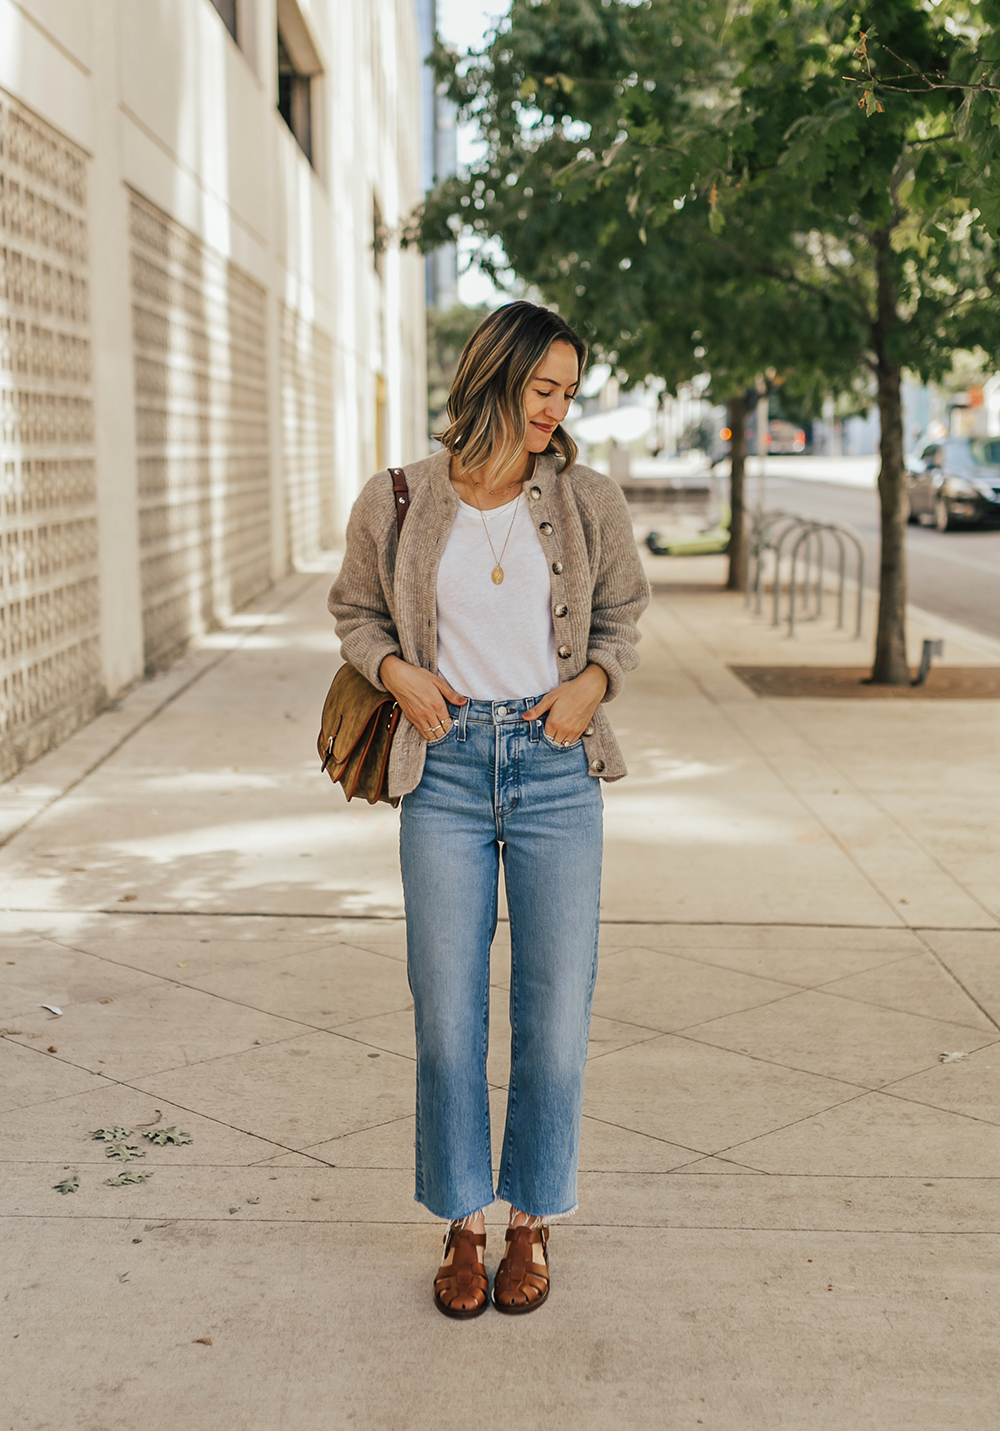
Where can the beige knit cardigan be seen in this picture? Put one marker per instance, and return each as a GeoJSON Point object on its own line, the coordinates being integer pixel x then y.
{"type": "Point", "coordinates": [384, 599]}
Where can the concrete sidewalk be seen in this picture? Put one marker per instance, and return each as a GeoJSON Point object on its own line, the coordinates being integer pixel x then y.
{"type": "Point", "coordinates": [788, 1209]}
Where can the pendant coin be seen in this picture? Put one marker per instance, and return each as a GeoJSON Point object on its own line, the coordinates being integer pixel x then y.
{"type": "Point", "coordinates": [497, 575]}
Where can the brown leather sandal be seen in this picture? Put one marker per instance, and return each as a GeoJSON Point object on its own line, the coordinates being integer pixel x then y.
{"type": "Point", "coordinates": [521, 1283]}
{"type": "Point", "coordinates": [460, 1287]}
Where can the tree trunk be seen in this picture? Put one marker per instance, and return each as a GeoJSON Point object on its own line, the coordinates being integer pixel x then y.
{"type": "Point", "coordinates": [737, 524]}
{"type": "Point", "coordinates": [890, 668]}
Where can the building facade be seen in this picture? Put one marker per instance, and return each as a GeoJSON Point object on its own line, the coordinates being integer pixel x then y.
{"type": "Point", "coordinates": [207, 338]}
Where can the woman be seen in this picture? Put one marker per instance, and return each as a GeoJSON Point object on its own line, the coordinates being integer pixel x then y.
{"type": "Point", "coordinates": [501, 621]}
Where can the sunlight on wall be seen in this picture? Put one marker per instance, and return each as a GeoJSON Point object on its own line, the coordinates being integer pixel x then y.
{"type": "Point", "coordinates": [50, 669]}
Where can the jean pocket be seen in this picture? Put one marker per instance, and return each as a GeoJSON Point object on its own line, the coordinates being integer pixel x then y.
{"type": "Point", "coordinates": [556, 745]}
{"type": "Point", "coordinates": [431, 744]}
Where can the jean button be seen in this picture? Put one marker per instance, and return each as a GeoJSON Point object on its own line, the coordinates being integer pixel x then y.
{"type": "Point", "coordinates": [501, 710]}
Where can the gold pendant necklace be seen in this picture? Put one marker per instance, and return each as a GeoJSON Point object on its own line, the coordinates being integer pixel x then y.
{"type": "Point", "coordinates": [497, 573]}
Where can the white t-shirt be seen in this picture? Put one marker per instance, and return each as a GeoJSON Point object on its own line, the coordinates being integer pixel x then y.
{"type": "Point", "coordinates": [495, 641]}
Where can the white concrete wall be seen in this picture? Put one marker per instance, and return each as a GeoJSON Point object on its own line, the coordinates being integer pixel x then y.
{"type": "Point", "coordinates": [167, 110]}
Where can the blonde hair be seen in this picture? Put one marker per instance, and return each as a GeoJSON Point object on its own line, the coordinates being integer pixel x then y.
{"type": "Point", "coordinates": [486, 419]}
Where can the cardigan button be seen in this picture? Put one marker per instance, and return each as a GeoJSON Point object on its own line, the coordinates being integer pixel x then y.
{"type": "Point", "coordinates": [562, 609]}
{"type": "Point", "coordinates": [597, 766]}
{"type": "Point", "coordinates": [589, 730]}
{"type": "Point", "coordinates": [546, 529]}
{"type": "Point", "coordinates": [535, 494]}
{"type": "Point", "coordinates": [564, 653]}
{"type": "Point", "coordinates": [557, 567]}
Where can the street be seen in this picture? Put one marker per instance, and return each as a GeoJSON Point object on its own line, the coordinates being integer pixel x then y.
{"type": "Point", "coordinates": [954, 574]}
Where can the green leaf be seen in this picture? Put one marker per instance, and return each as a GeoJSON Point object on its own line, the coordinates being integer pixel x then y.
{"type": "Point", "coordinates": [68, 1185]}
{"type": "Point", "coordinates": [163, 1136]}
{"type": "Point", "coordinates": [124, 1152]}
{"type": "Point", "coordinates": [129, 1176]}
{"type": "Point", "coordinates": [114, 1134]}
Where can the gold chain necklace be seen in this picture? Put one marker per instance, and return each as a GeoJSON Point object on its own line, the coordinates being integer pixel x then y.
{"type": "Point", "coordinates": [497, 572]}
{"type": "Point", "coordinates": [507, 486]}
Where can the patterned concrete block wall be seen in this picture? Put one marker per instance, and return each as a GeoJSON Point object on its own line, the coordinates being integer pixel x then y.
{"type": "Point", "coordinates": [199, 337]}
{"type": "Point", "coordinates": [50, 668]}
{"type": "Point", "coordinates": [306, 436]}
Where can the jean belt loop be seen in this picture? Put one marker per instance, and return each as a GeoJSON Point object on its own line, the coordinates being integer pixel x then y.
{"type": "Point", "coordinates": [463, 720]}
{"type": "Point", "coordinates": [534, 726]}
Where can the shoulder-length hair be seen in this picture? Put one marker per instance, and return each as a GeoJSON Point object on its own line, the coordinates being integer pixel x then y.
{"type": "Point", "coordinates": [486, 402]}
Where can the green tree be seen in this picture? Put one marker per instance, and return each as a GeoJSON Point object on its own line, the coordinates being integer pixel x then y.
{"type": "Point", "coordinates": [697, 187]}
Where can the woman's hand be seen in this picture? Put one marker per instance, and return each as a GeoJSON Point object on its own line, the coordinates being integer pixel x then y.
{"type": "Point", "coordinates": [570, 708]}
{"type": "Point", "coordinates": [420, 695]}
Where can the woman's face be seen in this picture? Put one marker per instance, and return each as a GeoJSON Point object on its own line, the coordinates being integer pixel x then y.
{"type": "Point", "coordinates": [550, 391]}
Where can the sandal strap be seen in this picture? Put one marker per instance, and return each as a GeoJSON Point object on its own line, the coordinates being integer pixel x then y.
{"type": "Point", "coordinates": [466, 1266]}
{"type": "Point", "coordinates": [518, 1270]}
{"type": "Point", "coordinates": [476, 1239]}
{"type": "Point", "coordinates": [527, 1234]}
{"type": "Point", "coordinates": [522, 1279]}
{"type": "Point", "coordinates": [447, 1280]}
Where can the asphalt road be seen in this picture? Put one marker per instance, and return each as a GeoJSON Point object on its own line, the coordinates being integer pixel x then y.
{"type": "Point", "coordinates": [954, 574]}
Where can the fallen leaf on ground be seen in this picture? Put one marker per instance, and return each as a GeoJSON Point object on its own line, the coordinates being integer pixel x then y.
{"type": "Point", "coordinates": [105, 1001]}
{"type": "Point", "coordinates": [163, 1136]}
{"type": "Point", "coordinates": [184, 963]}
{"type": "Point", "coordinates": [68, 1185]}
{"type": "Point", "coordinates": [951, 1057]}
{"type": "Point", "coordinates": [202, 1341]}
{"type": "Point", "coordinates": [232, 1210]}
{"type": "Point", "coordinates": [4, 1032]}
{"type": "Point", "coordinates": [153, 1121]}
{"type": "Point", "coordinates": [253, 1201]}
{"type": "Point", "coordinates": [114, 1134]}
{"type": "Point", "coordinates": [127, 898]}
{"type": "Point", "coordinates": [124, 1152]}
{"type": "Point", "coordinates": [130, 1175]}
{"type": "Point", "coordinates": [123, 1276]}
{"type": "Point", "coordinates": [52, 1009]}
{"type": "Point", "coordinates": [52, 1048]}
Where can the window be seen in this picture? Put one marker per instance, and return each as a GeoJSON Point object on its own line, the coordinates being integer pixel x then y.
{"type": "Point", "coordinates": [227, 9]}
{"type": "Point", "coordinates": [240, 19]}
{"type": "Point", "coordinates": [298, 67]}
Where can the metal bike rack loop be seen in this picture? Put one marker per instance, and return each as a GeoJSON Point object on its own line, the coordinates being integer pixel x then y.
{"type": "Point", "coordinates": [769, 533]}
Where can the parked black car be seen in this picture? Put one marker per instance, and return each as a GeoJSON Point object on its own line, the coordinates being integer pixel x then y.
{"type": "Point", "coordinates": [956, 481]}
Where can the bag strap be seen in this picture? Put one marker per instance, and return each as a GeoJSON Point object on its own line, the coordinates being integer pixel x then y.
{"type": "Point", "coordinates": [401, 494]}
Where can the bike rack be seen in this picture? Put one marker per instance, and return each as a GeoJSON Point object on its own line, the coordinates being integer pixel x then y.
{"type": "Point", "coordinates": [769, 532]}
{"type": "Point", "coordinates": [760, 540]}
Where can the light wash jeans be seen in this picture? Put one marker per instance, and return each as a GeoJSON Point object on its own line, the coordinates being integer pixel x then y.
{"type": "Point", "coordinates": [496, 784]}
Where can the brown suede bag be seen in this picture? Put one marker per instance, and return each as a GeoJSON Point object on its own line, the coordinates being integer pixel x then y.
{"type": "Point", "coordinates": [359, 720]}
